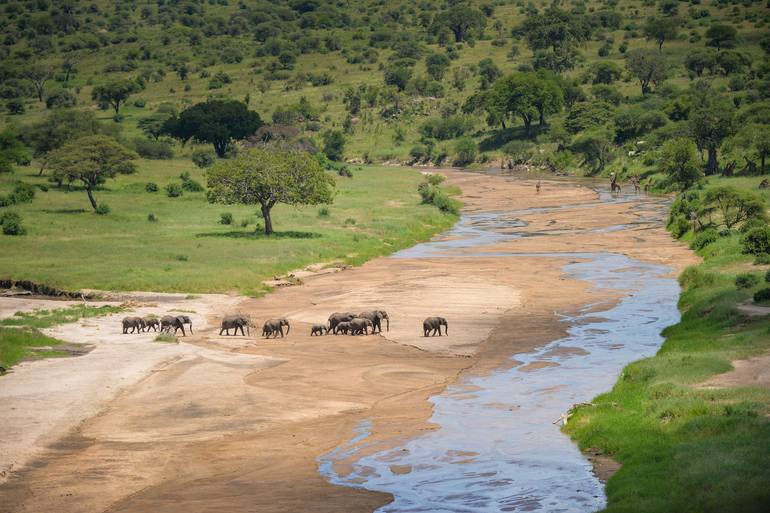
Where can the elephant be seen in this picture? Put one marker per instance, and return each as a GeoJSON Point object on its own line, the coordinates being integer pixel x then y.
{"type": "Point", "coordinates": [151, 322]}
{"type": "Point", "coordinates": [274, 327]}
{"type": "Point", "coordinates": [376, 316]}
{"type": "Point", "coordinates": [338, 317]}
{"type": "Point", "coordinates": [185, 320]}
{"type": "Point", "coordinates": [359, 326]}
{"type": "Point", "coordinates": [319, 329]}
{"type": "Point", "coordinates": [434, 324]}
{"type": "Point", "coordinates": [235, 322]}
{"type": "Point", "coordinates": [169, 321]}
{"type": "Point", "coordinates": [135, 323]}
{"type": "Point", "coordinates": [343, 327]}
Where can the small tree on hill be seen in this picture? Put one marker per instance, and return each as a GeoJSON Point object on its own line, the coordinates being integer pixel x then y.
{"type": "Point", "coordinates": [91, 160]}
{"type": "Point", "coordinates": [38, 75]}
{"type": "Point", "coordinates": [218, 122]}
{"type": "Point", "coordinates": [264, 177]}
{"type": "Point", "coordinates": [334, 144]}
{"type": "Point", "coordinates": [12, 151]}
{"type": "Point", "coordinates": [735, 206]}
{"type": "Point", "coordinates": [648, 66]}
{"type": "Point", "coordinates": [465, 21]}
{"type": "Point", "coordinates": [721, 36]}
{"type": "Point", "coordinates": [115, 93]}
{"type": "Point", "coordinates": [661, 30]}
{"type": "Point", "coordinates": [679, 160]}
{"type": "Point", "coordinates": [436, 65]}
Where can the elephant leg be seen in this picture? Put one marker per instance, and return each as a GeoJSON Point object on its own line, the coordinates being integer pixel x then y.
{"type": "Point", "coordinates": [221, 331]}
{"type": "Point", "coordinates": [280, 328]}
{"type": "Point", "coordinates": [183, 332]}
{"type": "Point", "coordinates": [243, 334]}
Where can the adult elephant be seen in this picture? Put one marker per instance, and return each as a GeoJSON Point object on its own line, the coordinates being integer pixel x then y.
{"type": "Point", "coordinates": [185, 320]}
{"type": "Point", "coordinates": [338, 317]}
{"type": "Point", "coordinates": [433, 325]}
{"type": "Point", "coordinates": [136, 324]}
{"type": "Point", "coordinates": [236, 322]}
{"type": "Point", "coordinates": [359, 326]}
{"type": "Point", "coordinates": [376, 316]}
{"type": "Point", "coordinates": [151, 322]}
{"type": "Point", "coordinates": [274, 327]}
{"type": "Point", "coordinates": [169, 321]}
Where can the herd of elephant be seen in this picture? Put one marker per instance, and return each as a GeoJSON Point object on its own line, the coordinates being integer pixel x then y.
{"type": "Point", "coordinates": [346, 323]}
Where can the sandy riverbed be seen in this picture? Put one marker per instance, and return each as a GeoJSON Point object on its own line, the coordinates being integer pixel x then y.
{"type": "Point", "coordinates": [236, 424]}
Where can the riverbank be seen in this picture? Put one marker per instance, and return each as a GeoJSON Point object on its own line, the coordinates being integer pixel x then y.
{"type": "Point", "coordinates": [690, 425]}
{"type": "Point", "coordinates": [206, 431]}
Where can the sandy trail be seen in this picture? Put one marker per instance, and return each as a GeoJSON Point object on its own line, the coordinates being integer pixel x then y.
{"type": "Point", "coordinates": [236, 423]}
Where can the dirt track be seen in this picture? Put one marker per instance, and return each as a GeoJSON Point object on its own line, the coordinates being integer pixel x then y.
{"type": "Point", "coordinates": [236, 424]}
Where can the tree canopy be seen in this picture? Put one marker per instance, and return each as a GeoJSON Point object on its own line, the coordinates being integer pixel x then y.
{"type": "Point", "coordinates": [115, 93]}
{"type": "Point", "coordinates": [264, 177]}
{"type": "Point", "coordinates": [90, 161]}
{"type": "Point", "coordinates": [218, 122]}
{"type": "Point", "coordinates": [525, 95]}
{"type": "Point", "coordinates": [679, 161]}
{"type": "Point", "coordinates": [462, 20]}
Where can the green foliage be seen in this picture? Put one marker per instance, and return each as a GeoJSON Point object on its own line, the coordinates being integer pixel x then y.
{"type": "Point", "coordinates": [12, 151]}
{"type": "Point", "coordinates": [266, 177]}
{"type": "Point", "coordinates": [19, 344]}
{"type": "Point", "coordinates": [115, 93]}
{"type": "Point", "coordinates": [595, 146]}
{"type": "Point", "coordinates": [11, 224]}
{"type": "Point", "coordinates": [150, 149]}
{"type": "Point", "coordinates": [721, 36]}
{"type": "Point", "coordinates": [587, 115]}
{"type": "Point", "coordinates": [90, 161]}
{"type": "Point", "coordinates": [679, 161]}
{"type": "Point", "coordinates": [446, 128]}
{"type": "Point", "coordinates": [217, 122]}
{"type": "Point", "coordinates": [526, 95]}
{"type": "Point", "coordinates": [648, 66]}
{"type": "Point", "coordinates": [151, 187]}
{"type": "Point", "coordinates": [47, 318]}
{"type": "Point", "coordinates": [736, 206]}
{"type": "Point", "coordinates": [102, 209]}
{"type": "Point", "coordinates": [465, 151]}
{"type": "Point", "coordinates": [463, 20]}
{"type": "Point", "coordinates": [226, 218]}
{"type": "Point", "coordinates": [203, 158]}
{"type": "Point", "coordinates": [22, 193]}
{"type": "Point", "coordinates": [704, 238]}
{"type": "Point", "coordinates": [762, 296]}
{"type": "Point", "coordinates": [434, 195]}
{"type": "Point", "coordinates": [188, 184]}
{"type": "Point", "coordinates": [334, 144]}
{"type": "Point", "coordinates": [173, 190]}
{"type": "Point", "coordinates": [746, 280]}
{"type": "Point", "coordinates": [436, 64]}
{"type": "Point", "coordinates": [756, 241]}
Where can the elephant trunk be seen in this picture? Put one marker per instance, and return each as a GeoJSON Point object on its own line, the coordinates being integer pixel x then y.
{"type": "Point", "coordinates": [288, 328]}
{"type": "Point", "coordinates": [387, 323]}
{"type": "Point", "coordinates": [446, 328]}
{"type": "Point", "coordinates": [191, 331]}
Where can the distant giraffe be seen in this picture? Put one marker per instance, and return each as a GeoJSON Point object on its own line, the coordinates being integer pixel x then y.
{"type": "Point", "coordinates": [614, 187]}
{"type": "Point", "coordinates": [637, 186]}
{"type": "Point", "coordinates": [537, 187]}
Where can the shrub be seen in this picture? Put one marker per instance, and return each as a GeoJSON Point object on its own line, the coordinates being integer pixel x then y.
{"type": "Point", "coordinates": [445, 203]}
{"type": "Point", "coordinates": [102, 209]}
{"type": "Point", "coordinates": [703, 239]}
{"type": "Point", "coordinates": [693, 277]}
{"type": "Point", "coordinates": [140, 103]}
{"type": "Point", "coordinates": [225, 218]}
{"type": "Point", "coordinates": [323, 212]}
{"type": "Point", "coordinates": [191, 185]}
{"type": "Point", "coordinates": [22, 193]}
{"type": "Point", "coordinates": [465, 151]}
{"type": "Point", "coordinates": [60, 99]}
{"type": "Point", "coordinates": [349, 221]}
{"type": "Point", "coordinates": [435, 179]}
{"type": "Point", "coordinates": [345, 172]}
{"type": "Point", "coordinates": [756, 241]}
{"type": "Point", "coordinates": [173, 190]}
{"type": "Point", "coordinates": [446, 128]}
{"type": "Point", "coordinates": [166, 337]}
{"type": "Point", "coordinates": [151, 218]}
{"type": "Point", "coordinates": [151, 187]}
{"type": "Point", "coordinates": [751, 224]}
{"type": "Point", "coordinates": [203, 158]}
{"type": "Point", "coordinates": [151, 149]}
{"type": "Point", "coordinates": [746, 280]}
{"type": "Point", "coordinates": [11, 223]}
{"type": "Point", "coordinates": [762, 259]}
{"type": "Point", "coordinates": [762, 295]}
{"type": "Point", "coordinates": [678, 225]}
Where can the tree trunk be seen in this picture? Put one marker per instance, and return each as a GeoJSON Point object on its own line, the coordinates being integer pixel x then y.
{"type": "Point", "coordinates": [116, 106]}
{"type": "Point", "coordinates": [542, 117]}
{"type": "Point", "coordinates": [762, 163]}
{"type": "Point", "coordinates": [268, 220]}
{"type": "Point", "coordinates": [91, 197]}
{"type": "Point", "coordinates": [220, 148]}
{"type": "Point", "coordinates": [711, 164]}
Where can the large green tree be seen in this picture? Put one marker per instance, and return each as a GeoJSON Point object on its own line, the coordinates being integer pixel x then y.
{"type": "Point", "coordinates": [38, 75]}
{"type": "Point", "coordinates": [463, 20]}
{"type": "Point", "coordinates": [735, 206]}
{"type": "Point", "coordinates": [712, 120]}
{"type": "Point", "coordinates": [115, 93]}
{"type": "Point", "coordinates": [679, 161]}
{"type": "Point", "coordinates": [265, 177]}
{"type": "Point", "coordinates": [648, 66]}
{"type": "Point", "coordinates": [661, 30]}
{"type": "Point", "coordinates": [12, 151]}
{"type": "Point", "coordinates": [721, 36]}
{"type": "Point", "coordinates": [218, 122]}
{"type": "Point", "coordinates": [526, 95]}
{"type": "Point", "coordinates": [90, 161]}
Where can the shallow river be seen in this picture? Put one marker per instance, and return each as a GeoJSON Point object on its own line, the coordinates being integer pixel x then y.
{"type": "Point", "coordinates": [497, 447]}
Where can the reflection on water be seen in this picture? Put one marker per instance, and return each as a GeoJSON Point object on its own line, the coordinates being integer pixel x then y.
{"type": "Point", "coordinates": [496, 447]}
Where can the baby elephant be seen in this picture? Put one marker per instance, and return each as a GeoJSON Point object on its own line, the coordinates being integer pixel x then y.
{"type": "Point", "coordinates": [135, 323]}
{"type": "Point", "coordinates": [319, 329]}
{"type": "Point", "coordinates": [342, 327]}
{"type": "Point", "coordinates": [433, 325]}
{"type": "Point", "coordinates": [274, 327]}
{"type": "Point", "coordinates": [360, 326]}
{"type": "Point", "coordinates": [169, 321]}
{"type": "Point", "coordinates": [235, 322]}
{"type": "Point", "coordinates": [151, 322]}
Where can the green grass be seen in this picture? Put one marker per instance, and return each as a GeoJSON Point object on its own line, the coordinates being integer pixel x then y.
{"type": "Point", "coordinates": [685, 448]}
{"type": "Point", "coordinates": [17, 344]}
{"type": "Point", "coordinates": [69, 247]}
{"type": "Point", "coordinates": [48, 318]}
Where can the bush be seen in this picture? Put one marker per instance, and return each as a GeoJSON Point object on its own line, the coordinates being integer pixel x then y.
{"type": "Point", "coordinates": [102, 209]}
{"type": "Point", "coordinates": [191, 185]}
{"type": "Point", "coordinates": [11, 223]}
{"type": "Point", "coordinates": [225, 218]}
{"type": "Point", "coordinates": [703, 239]}
{"type": "Point", "coordinates": [203, 158]}
{"type": "Point", "coordinates": [22, 193]}
{"type": "Point", "coordinates": [151, 149]}
{"type": "Point", "coordinates": [678, 225]}
{"type": "Point", "coordinates": [465, 151]}
{"type": "Point", "coordinates": [173, 190]}
{"type": "Point", "coordinates": [151, 187]}
{"type": "Point", "coordinates": [140, 103]}
{"type": "Point", "coordinates": [446, 128]}
{"type": "Point", "coordinates": [445, 203]}
{"type": "Point", "coordinates": [762, 259]}
{"type": "Point", "coordinates": [323, 212]}
{"type": "Point", "coordinates": [756, 241]}
{"type": "Point", "coordinates": [435, 179]}
{"type": "Point", "coordinates": [762, 295]}
{"type": "Point", "coordinates": [151, 218]}
{"type": "Point", "coordinates": [60, 99]}
{"type": "Point", "coordinates": [746, 280]}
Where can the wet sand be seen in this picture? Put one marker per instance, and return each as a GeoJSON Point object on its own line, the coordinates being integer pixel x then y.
{"type": "Point", "coordinates": [237, 423]}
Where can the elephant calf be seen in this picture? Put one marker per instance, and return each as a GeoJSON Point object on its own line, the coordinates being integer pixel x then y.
{"type": "Point", "coordinates": [359, 326]}
{"type": "Point", "coordinates": [151, 322]}
{"type": "Point", "coordinates": [338, 317]}
{"type": "Point", "coordinates": [135, 323]}
{"type": "Point", "coordinates": [342, 327]}
{"type": "Point", "coordinates": [235, 322]}
{"type": "Point", "coordinates": [274, 327]}
{"type": "Point", "coordinates": [319, 329]}
{"type": "Point", "coordinates": [433, 325]}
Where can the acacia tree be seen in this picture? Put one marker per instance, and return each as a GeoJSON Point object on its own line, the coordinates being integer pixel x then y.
{"type": "Point", "coordinates": [217, 122]}
{"type": "Point", "coordinates": [115, 93]}
{"type": "Point", "coordinates": [679, 160]}
{"type": "Point", "coordinates": [661, 30]}
{"type": "Point", "coordinates": [38, 75]}
{"type": "Point", "coordinates": [735, 206]}
{"type": "Point", "coordinates": [264, 177]}
{"type": "Point", "coordinates": [463, 20]}
{"type": "Point", "coordinates": [648, 66]}
{"type": "Point", "coordinates": [12, 151]}
{"type": "Point", "coordinates": [91, 160]}
{"type": "Point", "coordinates": [526, 95]}
{"type": "Point", "coordinates": [711, 122]}
{"type": "Point", "coordinates": [436, 65]}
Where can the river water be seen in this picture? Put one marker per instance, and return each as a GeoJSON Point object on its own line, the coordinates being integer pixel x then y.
{"type": "Point", "coordinates": [496, 447]}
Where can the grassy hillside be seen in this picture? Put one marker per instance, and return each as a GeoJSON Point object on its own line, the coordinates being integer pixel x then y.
{"type": "Point", "coordinates": [684, 447]}
{"type": "Point", "coordinates": [187, 249]}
